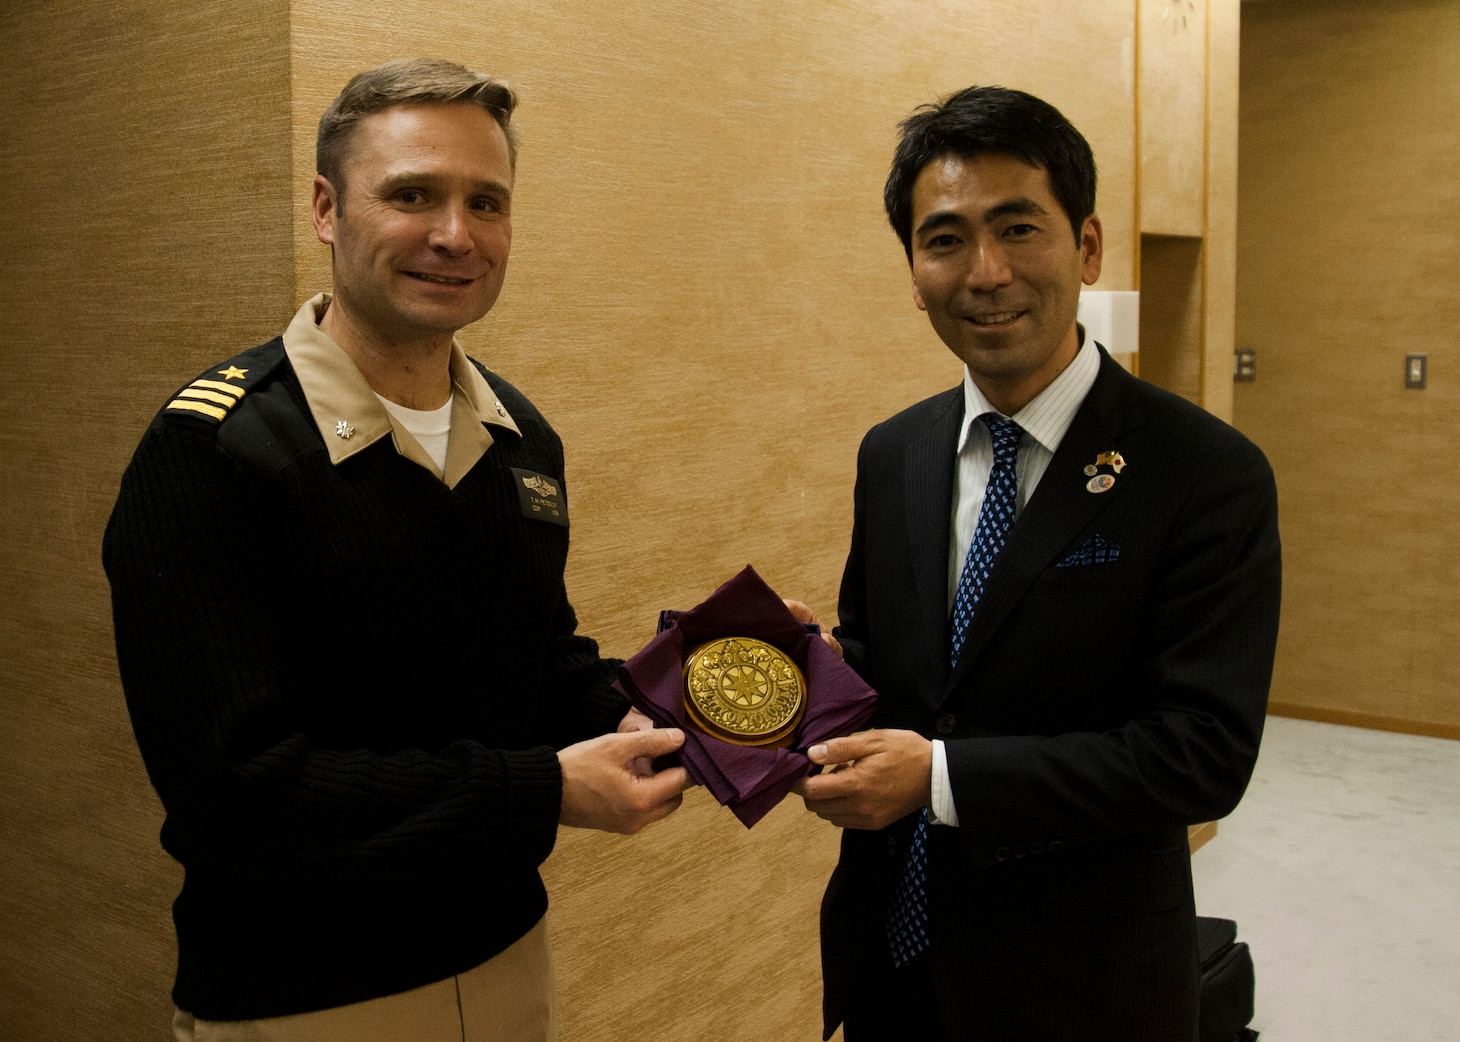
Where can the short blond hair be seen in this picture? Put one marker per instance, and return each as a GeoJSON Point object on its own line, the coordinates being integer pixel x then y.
{"type": "Point", "coordinates": [407, 81]}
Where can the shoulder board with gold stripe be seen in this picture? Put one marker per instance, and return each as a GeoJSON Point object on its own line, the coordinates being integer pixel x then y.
{"type": "Point", "coordinates": [213, 395]}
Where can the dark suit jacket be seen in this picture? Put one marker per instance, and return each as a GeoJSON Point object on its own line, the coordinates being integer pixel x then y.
{"type": "Point", "coordinates": [1098, 708]}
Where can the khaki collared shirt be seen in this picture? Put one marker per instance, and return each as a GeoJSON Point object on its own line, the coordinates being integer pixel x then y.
{"type": "Point", "coordinates": [350, 417]}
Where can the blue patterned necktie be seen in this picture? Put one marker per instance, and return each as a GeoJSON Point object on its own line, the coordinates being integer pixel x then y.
{"type": "Point", "coordinates": [907, 913]}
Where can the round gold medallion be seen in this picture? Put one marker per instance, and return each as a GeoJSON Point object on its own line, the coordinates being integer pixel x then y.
{"type": "Point", "coordinates": [744, 691]}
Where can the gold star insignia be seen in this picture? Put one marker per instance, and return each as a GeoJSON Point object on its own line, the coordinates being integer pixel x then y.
{"type": "Point", "coordinates": [233, 373]}
{"type": "Point", "coordinates": [1113, 460]}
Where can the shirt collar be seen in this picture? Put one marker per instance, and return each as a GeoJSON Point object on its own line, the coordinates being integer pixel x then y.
{"type": "Point", "coordinates": [1049, 414]}
{"type": "Point", "coordinates": [350, 417]}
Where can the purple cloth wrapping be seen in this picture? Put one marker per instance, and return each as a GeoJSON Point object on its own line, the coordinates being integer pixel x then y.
{"type": "Point", "coordinates": [750, 781]}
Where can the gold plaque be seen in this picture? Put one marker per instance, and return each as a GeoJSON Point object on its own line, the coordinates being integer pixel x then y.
{"type": "Point", "coordinates": [744, 691]}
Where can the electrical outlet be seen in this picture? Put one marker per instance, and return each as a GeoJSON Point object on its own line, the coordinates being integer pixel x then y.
{"type": "Point", "coordinates": [1244, 367]}
{"type": "Point", "coordinates": [1416, 372]}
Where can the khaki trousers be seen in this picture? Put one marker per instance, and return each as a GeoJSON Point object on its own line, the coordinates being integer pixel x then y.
{"type": "Point", "coordinates": [508, 998]}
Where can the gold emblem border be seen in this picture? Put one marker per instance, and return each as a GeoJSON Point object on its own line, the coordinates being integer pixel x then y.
{"type": "Point", "coordinates": [704, 702]}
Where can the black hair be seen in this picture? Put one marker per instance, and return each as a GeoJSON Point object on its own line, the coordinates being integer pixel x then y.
{"type": "Point", "coordinates": [981, 120]}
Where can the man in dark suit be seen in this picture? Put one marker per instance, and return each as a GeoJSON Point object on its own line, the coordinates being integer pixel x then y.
{"type": "Point", "coordinates": [1015, 863]}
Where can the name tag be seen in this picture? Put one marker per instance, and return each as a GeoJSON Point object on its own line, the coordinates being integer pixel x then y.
{"type": "Point", "coordinates": [540, 496]}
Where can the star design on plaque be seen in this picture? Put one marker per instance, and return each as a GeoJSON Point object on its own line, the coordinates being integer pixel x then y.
{"type": "Point", "coordinates": [745, 686]}
{"type": "Point", "coordinates": [233, 373]}
{"type": "Point", "coordinates": [344, 430]}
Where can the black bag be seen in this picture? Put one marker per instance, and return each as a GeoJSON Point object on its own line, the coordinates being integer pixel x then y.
{"type": "Point", "coordinates": [1227, 982]}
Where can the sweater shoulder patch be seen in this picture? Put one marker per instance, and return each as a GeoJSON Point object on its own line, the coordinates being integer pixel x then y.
{"type": "Point", "coordinates": [212, 396]}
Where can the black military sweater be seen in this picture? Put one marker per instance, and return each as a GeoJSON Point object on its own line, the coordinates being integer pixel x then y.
{"type": "Point", "coordinates": [347, 683]}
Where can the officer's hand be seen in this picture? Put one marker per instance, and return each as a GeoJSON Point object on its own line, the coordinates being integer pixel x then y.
{"type": "Point", "coordinates": [636, 721]}
{"type": "Point", "coordinates": [609, 785]}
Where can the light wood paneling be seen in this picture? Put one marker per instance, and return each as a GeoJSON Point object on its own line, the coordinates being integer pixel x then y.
{"type": "Point", "coordinates": [1188, 193]}
{"type": "Point", "coordinates": [146, 226]}
{"type": "Point", "coordinates": [1219, 260]}
{"type": "Point", "coordinates": [704, 293]}
{"type": "Point", "coordinates": [1173, 104]}
{"type": "Point", "coordinates": [1198, 836]}
{"type": "Point", "coordinates": [1171, 316]}
{"type": "Point", "coordinates": [1347, 255]}
{"type": "Point", "coordinates": [704, 298]}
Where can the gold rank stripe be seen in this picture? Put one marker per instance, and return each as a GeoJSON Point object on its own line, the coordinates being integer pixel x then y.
{"type": "Point", "coordinates": [207, 410]}
{"type": "Point", "coordinates": [219, 385]}
{"type": "Point", "coordinates": [207, 396]}
{"type": "Point", "coordinates": [196, 396]}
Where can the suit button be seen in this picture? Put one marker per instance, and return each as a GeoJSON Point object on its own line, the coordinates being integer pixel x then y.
{"type": "Point", "coordinates": [946, 723]}
{"type": "Point", "coordinates": [1036, 848]}
{"type": "Point", "coordinates": [892, 846]}
{"type": "Point", "coordinates": [1055, 845]}
{"type": "Point", "coordinates": [1002, 854]}
{"type": "Point", "coordinates": [1021, 850]}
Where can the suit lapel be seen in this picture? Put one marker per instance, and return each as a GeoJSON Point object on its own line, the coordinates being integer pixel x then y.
{"type": "Point", "coordinates": [1060, 507]}
{"type": "Point", "coordinates": [928, 495]}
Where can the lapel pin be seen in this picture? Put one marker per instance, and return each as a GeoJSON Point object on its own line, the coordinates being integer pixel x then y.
{"type": "Point", "coordinates": [344, 430]}
{"type": "Point", "coordinates": [1113, 460]}
{"type": "Point", "coordinates": [1103, 482]}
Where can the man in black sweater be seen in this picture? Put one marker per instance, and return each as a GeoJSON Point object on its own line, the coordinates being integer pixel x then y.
{"type": "Point", "coordinates": [348, 653]}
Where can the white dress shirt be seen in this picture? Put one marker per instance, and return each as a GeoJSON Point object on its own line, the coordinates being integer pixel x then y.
{"type": "Point", "coordinates": [1045, 420]}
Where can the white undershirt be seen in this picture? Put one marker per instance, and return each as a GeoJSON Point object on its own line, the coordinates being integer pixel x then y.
{"type": "Point", "coordinates": [1045, 420]}
{"type": "Point", "coordinates": [430, 427]}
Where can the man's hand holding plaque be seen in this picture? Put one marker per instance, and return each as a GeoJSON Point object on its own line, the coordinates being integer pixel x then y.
{"type": "Point", "coordinates": [752, 688]}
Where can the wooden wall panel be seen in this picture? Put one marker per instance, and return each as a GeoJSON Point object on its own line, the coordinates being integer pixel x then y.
{"type": "Point", "coordinates": [1188, 196]}
{"type": "Point", "coordinates": [1219, 260]}
{"type": "Point", "coordinates": [706, 300]}
{"type": "Point", "coordinates": [703, 282]}
{"type": "Point", "coordinates": [146, 167]}
{"type": "Point", "coordinates": [1173, 115]}
{"type": "Point", "coordinates": [704, 297]}
{"type": "Point", "coordinates": [1171, 313]}
{"type": "Point", "coordinates": [1346, 262]}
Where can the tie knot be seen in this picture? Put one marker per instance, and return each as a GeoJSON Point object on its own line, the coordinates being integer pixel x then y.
{"type": "Point", "coordinates": [1005, 434]}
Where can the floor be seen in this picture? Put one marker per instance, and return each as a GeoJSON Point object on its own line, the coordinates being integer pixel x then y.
{"type": "Point", "coordinates": [1341, 868]}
